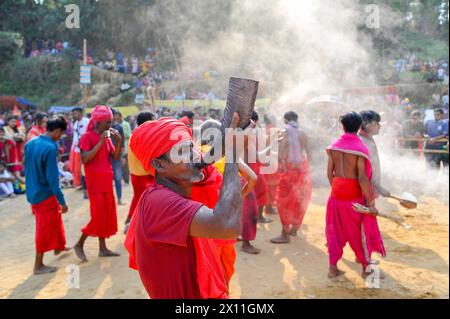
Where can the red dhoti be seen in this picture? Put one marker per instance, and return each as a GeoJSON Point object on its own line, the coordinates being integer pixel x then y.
{"type": "Point", "coordinates": [294, 195]}
{"type": "Point", "coordinates": [50, 234]}
{"type": "Point", "coordinates": [75, 167]}
{"type": "Point", "coordinates": [227, 254]}
{"type": "Point", "coordinates": [261, 189]}
{"type": "Point", "coordinates": [140, 184]}
{"type": "Point", "coordinates": [272, 181]}
{"type": "Point", "coordinates": [249, 217]}
{"type": "Point", "coordinates": [103, 223]}
{"type": "Point", "coordinates": [343, 223]}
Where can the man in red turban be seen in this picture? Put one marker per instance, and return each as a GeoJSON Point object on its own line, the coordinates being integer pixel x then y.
{"type": "Point", "coordinates": [96, 151]}
{"type": "Point", "coordinates": [170, 235]}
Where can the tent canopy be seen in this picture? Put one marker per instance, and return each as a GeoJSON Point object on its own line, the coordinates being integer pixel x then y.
{"type": "Point", "coordinates": [60, 109]}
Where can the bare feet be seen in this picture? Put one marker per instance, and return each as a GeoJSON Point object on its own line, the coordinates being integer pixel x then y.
{"type": "Point", "coordinates": [107, 253]}
{"type": "Point", "coordinates": [335, 272]}
{"type": "Point", "coordinates": [57, 252]}
{"type": "Point", "coordinates": [293, 232]}
{"type": "Point", "coordinates": [263, 220]}
{"type": "Point", "coordinates": [249, 249]}
{"type": "Point", "coordinates": [44, 270]}
{"type": "Point", "coordinates": [283, 239]}
{"type": "Point", "coordinates": [80, 253]}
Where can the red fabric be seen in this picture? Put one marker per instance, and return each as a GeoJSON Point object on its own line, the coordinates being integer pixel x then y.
{"type": "Point", "coordinates": [352, 144]}
{"type": "Point", "coordinates": [343, 225]}
{"type": "Point", "coordinates": [165, 255]}
{"type": "Point", "coordinates": [261, 188]}
{"type": "Point", "coordinates": [345, 188]}
{"type": "Point", "coordinates": [140, 184]}
{"type": "Point", "coordinates": [75, 167]}
{"type": "Point", "coordinates": [99, 114]}
{"type": "Point", "coordinates": [249, 217]}
{"type": "Point", "coordinates": [102, 160]}
{"type": "Point", "coordinates": [207, 192]}
{"type": "Point", "coordinates": [186, 120]}
{"type": "Point", "coordinates": [15, 156]}
{"type": "Point", "coordinates": [154, 138]}
{"type": "Point", "coordinates": [294, 195]}
{"type": "Point", "coordinates": [103, 222]}
{"type": "Point", "coordinates": [272, 181]}
{"type": "Point", "coordinates": [50, 234]}
{"type": "Point", "coordinates": [35, 131]}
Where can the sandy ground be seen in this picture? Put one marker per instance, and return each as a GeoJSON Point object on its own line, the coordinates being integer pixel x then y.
{"type": "Point", "coordinates": [416, 265]}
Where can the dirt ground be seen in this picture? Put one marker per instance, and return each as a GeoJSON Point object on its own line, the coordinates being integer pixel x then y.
{"type": "Point", "coordinates": [417, 265]}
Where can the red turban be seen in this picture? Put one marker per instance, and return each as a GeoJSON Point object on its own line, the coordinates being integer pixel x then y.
{"type": "Point", "coordinates": [155, 138]}
{"type": "Point", "coordinates": [99, 114]}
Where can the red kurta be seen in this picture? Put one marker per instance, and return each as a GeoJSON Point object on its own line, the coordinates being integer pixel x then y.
{"type": "Point", "coordinates": [140, 184]}
{"type": "Point", "coordinates": [50, 234]}
{"type": "Point", "coordinates": [172, 264]}
{"type": "Point", "coordinates": [99, 183]}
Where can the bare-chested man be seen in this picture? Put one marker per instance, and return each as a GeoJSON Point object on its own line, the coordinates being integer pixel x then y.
{"type": "Point", "coordinates": [295, 187]}
{"type": "Point", "coordinates": [349, 173]}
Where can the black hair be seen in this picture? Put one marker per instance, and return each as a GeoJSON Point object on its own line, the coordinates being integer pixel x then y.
{"type": "Point", "coordinates": [189, 114]}
{"type": "Point", "coordinates": [78, 109]}
{"type": "Point", "coordinates": [351, 122]}
{"type": "Point", "coordinates": [57, 122]}
{"type": "Point", "coordinates": [144, 116]}
{"type": "Point", "coordinates": [291, 116]}
{"type": "Point", "coordinates": [370, 116]}
{"type": "Point", "coordinates": [255, 116]}
{"type": "Point", "coordinates": [439, 110]}
{"type": "Point", "coordinates": [39, 117]}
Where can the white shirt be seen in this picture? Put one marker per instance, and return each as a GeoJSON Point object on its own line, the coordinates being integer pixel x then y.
{"type": "Point", "coordinates": [79, 128]}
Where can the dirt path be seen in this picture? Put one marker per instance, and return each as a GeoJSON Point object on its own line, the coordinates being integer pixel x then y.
{"type": "Point", "coordinates": [416, 265]}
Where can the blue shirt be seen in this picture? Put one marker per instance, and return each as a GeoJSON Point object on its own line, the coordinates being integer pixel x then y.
{"type": "Point", "coordinates": [433, 128]}
{"type": "Point", "coordinates": [41, 170]}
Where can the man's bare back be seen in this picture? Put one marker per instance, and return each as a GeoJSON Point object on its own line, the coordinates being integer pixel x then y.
{"type": "Point", "coordinates": [344, 165]}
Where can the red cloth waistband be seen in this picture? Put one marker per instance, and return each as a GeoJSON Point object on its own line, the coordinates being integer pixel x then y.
{"type": "Point", "coordinates": [346, 188]}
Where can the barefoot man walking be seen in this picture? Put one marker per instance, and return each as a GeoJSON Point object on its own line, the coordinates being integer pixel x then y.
{"type": "Point", "coordinates": [349, 173]}
{"type": "Point", "coordinates": [96, 147]}
{"type": "Point", "coordinates": [44, 192]}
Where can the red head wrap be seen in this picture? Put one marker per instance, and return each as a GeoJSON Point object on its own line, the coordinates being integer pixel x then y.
{"type": "Point", "coordinates": [155, 138]}
{"type": "Point", "coordinates": [99, 114]}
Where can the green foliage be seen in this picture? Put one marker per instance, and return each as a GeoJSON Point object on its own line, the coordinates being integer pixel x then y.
{"type": "Point", "coordinates": [10, 46]}
{"type": "Point", "coordinates": [125, 98]}
{"type": "Point", "coordinates": [43, 80]}
{"type": "Point", "coordinates": [424, 47]}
